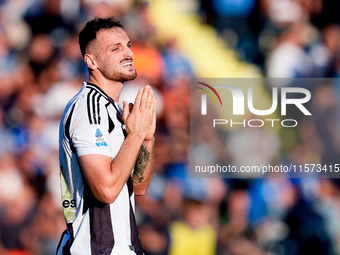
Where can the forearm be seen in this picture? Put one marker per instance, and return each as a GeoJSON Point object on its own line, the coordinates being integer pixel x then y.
{"type": "Point", "coordinates": [122, 165]}
{"type": "Point", "coordinates": [106, 177]}
{"type": "Point", "coordinates": [143, 169]}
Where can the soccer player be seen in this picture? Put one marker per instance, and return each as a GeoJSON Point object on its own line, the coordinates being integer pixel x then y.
{"type": "Point", "coordinates": [106, 154]}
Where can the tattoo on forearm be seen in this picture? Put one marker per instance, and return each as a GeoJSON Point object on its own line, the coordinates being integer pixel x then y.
{"type": "Point", "coordinates": [141, 163]}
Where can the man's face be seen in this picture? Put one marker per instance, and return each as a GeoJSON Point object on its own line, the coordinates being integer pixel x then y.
{"type": "Point", "coordinates": [113, 54]}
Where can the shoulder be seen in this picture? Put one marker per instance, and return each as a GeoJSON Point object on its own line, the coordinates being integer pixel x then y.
{"type": "Point", "coordinates": [90, 106]}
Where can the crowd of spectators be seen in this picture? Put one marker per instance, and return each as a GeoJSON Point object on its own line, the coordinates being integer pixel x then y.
{"type": "Point", "coordinates": [41, 68]}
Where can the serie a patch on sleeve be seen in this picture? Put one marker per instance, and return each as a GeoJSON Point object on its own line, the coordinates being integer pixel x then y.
{"type": "Point", "coordinates": [99, 138]}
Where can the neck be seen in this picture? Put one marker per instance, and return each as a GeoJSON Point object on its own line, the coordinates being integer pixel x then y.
{"type": "Point", "coordinates": [111, 88]}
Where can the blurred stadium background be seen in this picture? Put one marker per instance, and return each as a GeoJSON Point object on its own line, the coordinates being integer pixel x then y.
{"type": "Point", "coordinates": [173, 40]}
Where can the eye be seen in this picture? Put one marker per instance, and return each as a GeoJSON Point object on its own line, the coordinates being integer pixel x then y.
{"type": "Point", "coordinates": [115, 49]}
{"type": "Point", "coordinates": [129, 45]}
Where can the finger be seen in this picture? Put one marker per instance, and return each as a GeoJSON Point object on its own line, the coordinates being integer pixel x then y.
{"type": "Point", "coordinates": [150, 98]}
{"type": "Point", "coordinates": [138, 98]}
{"type": "Point", "coordinates": [130, 106]}
{"type": "Point", "coordinates": [145, 96]}
{"type": "Point", "coordinates": [153, 106]}
{"type": "Point", "coordinates": [125, 111]}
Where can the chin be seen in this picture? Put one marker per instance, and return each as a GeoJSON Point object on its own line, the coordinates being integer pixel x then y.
{"type": "Point", "coordinates": [129, 77]}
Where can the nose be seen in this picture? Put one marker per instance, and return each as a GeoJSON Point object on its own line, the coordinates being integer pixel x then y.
{"type": "Point", "coordinates": [128, 53]}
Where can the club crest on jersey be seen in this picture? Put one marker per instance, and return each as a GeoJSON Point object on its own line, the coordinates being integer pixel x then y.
{"type": "Point", "coordinates": [100, 141]}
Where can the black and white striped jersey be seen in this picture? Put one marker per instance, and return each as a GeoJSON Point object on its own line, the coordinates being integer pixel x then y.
{"type": "Point", "coordinates": [92, 124]}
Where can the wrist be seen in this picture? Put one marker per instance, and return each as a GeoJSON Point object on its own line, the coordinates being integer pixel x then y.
{"type": "Point", "coordinates": [150, 140]}
{"type": "Point", "coordinates": [137, 136]}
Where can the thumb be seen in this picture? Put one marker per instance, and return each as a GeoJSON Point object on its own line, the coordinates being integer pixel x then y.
{"type": "Point", "coordinates": [125, 111]}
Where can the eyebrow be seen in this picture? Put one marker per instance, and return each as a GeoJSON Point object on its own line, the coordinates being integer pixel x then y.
{"type": "Point", "coordinates": [117, 44]}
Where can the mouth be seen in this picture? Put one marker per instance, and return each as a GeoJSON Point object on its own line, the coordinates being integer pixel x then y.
{"type": "Point", "coordinates": [128, 65]}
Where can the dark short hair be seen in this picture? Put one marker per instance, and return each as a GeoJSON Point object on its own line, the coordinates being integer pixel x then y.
{"type": "Point", "coordinates": [89, 32]}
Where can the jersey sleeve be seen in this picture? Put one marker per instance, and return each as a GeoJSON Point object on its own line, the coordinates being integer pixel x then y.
{"type": "Point", "coordinates": [90, 130]}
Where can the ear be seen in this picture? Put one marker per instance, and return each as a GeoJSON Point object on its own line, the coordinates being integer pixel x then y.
{"type": "Point", "coordinates": [90, 61]}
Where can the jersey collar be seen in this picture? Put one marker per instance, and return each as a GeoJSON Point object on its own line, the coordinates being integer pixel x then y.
{"type": "Point", "coordinates": [93, 86]}
{"type": "Point", "coordinates": [113, 102]}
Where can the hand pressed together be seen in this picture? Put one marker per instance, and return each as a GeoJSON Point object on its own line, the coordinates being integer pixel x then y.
{"type": "Point", "coordinates": [140, 118]}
